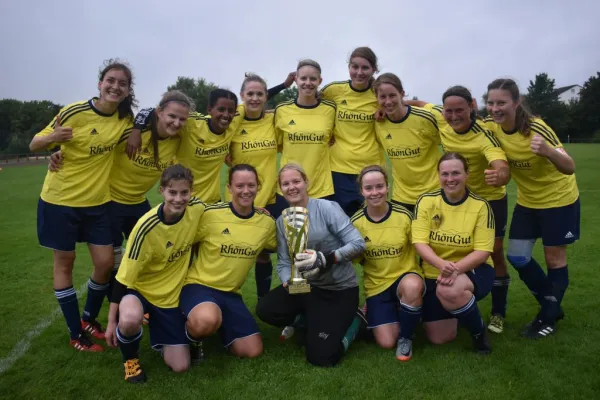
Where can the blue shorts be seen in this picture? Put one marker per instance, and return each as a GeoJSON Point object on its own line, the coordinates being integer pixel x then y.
{"type": "Point", "coordinates": [483, 280]}
{"type": "Point", "coordinates": [382, 309]}
{"type": "Point", "coordinates": [166, 325]}
{"type": "Point", "coordinates": [409, 207]}
{"type": "Point", "coordinates": [237, 321]}
{"type": "Point", "coordinates": [61, 227]}
{"type": "Point", "coordinates": [500, 210]}
{"type": "Point", "coordinates": [123, 218]}
{"type": "Point", "coordinates": [347, 193]}
{"type": "Point", "coordinates": [556, 226]}
{"type": "Point", "coordinates": [275, 209]}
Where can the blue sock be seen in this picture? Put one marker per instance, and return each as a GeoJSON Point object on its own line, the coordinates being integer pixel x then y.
{"type": "Point", "coordinates": [469, 316]}
{"type": "Point", "coordinates": [262, 274]}
{"type": "Point", "coordinates": [409, 317]}
{"type": "Point", "coordinates": [499, 295]}
{"type": "Point", "coordinates": [559, 280]}
{"type": "Point", "coordinates": [129, 345]}
{"type": "Point", "coordinates": [95, 297]}
{"type": "Point", "coordinates": [67, 299]}
{"type": "Point", "coordinates": [535, 279]}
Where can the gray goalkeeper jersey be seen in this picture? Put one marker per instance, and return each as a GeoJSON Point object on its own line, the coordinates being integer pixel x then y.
{"type": "Point", "coordinates": [330, 230]}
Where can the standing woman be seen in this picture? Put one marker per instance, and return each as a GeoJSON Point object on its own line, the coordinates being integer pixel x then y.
{"type": "Point", "coordinates": [330, 307]}
{"type": "Point", "coordinates": [304, 127]}
{"type": "Point", "coordinates": [355, 143]}
{"type": "Point", "coordinates": [453, 232]}
{"type": "Point", "coordinates": [73, 205]}
{"type": "Point", "coordinates": [230, 237]}
{"type": "Point", "coordinates": [393, 279]}
{"type": "Point", "coordinates": [547, 201]}
{"type": "Point", "coordinates": [409, 135]}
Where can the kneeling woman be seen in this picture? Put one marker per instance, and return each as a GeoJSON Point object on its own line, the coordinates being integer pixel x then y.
{"type": "Point", "coordinates": [393, 279]}
{"type": "Point", "coordinates": [453, 232]}
{"type": "Point", "coordinates": [330, 307]}
{"type": "Point", "coordinates": [230, 236]}
{"type": "Point", "coordinates": [151, 276]}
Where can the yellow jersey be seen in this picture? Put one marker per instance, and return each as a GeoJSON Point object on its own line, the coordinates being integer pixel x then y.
{"type": "Point", "coordinates": [390, 252]}
{"type": "Point", "coordinates": [539, 184]}
{"type": "Point", "coordinates": [355, 143]}
{"type": "Point", "coordinates": [157, 256]}
{"type": "Point", "coordinates": [82, 181]}
{"type": "Point", "coordinates": [453, 231]}
{"type": "Point", "coordinates": [255, 143]}
{"type": "Point", "coordinates": [304, 134]}
{"type": "Point", "coordinates": [229, 244]}
{"type": "Point", "coordinates": [130, 180]}
{"type": "Point", "coordinates": [411, 144]}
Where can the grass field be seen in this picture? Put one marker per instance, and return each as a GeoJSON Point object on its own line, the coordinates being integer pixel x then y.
{"type": "Point", "coordinates": [36, 366]}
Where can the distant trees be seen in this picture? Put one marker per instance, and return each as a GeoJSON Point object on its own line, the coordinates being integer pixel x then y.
{"type": "Point", "coordinates": [20, 120]}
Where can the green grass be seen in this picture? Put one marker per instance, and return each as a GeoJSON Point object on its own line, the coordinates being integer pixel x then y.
{"type": "Point", "coordinates": [563, 366]}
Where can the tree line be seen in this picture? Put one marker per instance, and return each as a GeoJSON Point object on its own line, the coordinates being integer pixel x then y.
{"type": "Point", "coordinates": [577, 120]}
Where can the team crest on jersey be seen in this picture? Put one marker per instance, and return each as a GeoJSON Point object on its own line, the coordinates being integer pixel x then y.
{"type": "Point", "coordinates": [436, 221]}
{"type": "Point", "coordinates": [226, 232]}
{"type": "Point", "coordinates": [292, 122]}
{"type": "Point", "coordinates": [93, 131]}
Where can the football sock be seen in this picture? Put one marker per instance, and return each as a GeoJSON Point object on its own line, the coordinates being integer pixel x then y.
{"type": "Point", "coordinates": [67, 300]}
{"type": "Point", "coordinates": [409, 317]}
{"type": "Point", "coordinates": [129, 345]}
{"type": "Point", "coordinates": [535, 279]}
{"type": "Point", "coordinates": [95, 297]}
{"type": "Point", "coordinates": [499, 295]}
{"type": "Point", "coordinates": [351, 333]}
{"type": "Point", "coordinates": [469, 316]}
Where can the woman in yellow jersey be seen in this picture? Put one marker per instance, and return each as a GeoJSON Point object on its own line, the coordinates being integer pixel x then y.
{"type": "Point", "coordinates": [547, 201]}
{"type": "Point", "coordinates": [230, 236]}
{"type": "Point", "coordinates": [151, 276]}
{"type": "Point", "coordinates": [355, 144]}
{"type": "Point", "coordinates": [393, 279]}
{"type": "Point", "coordinates": [453, 232]}
{"type": "Point", "coordinates": [462, 132]}
{"type": "Point", "coordinates": [73, 205]}
{"type": "Point", "coordinates": [304, 127]}
{"type": "Point", "coordinates": [409, 137]}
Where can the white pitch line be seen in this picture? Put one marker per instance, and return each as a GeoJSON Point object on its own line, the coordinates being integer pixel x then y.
{"type": "Point", "coordinates": [23, 345]}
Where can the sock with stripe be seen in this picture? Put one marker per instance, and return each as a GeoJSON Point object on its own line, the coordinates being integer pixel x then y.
{"type": "Point", "coordinates": [351, 333]}
{"type": "Point", "coordinates": [409, 317]}
{"type": "Point", "coordinates": [469, 316]}
{"type": "Point", "coordinates": [262, 274]}
{"type": "Point", "coordinates": [500, 294]}
{"type": "Point", "coordinates": [535, 279]}
{"type": "Point", "coordinates": [67, 300]}
{"type": "Point", "coordinates": [95, 297]}
{"type": "Point", "coordinates": [129, 345]}
{"type": "Point", "coordinates": [559, 279]}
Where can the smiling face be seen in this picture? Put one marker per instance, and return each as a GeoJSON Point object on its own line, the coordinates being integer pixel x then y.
{"type": "Point", "coordinates": [176, 195]}
{"type": "Point", "coordinates": [171, 118]}
{"type": "Point", "coordinates": [308, 79]}
{"type": "Point", "coordinates": [374, 188]}
{"type": "Point", "coordinates": [453, 177]}
{"type": "Point", "coordinates": [114, 87]}
{"type": "Point", "coordinates": [361, 72]}
{"type": "Point", "coordinates": [254, 96]}
{"type": "Point", "coordinates": [502, 107]}
{"type": "Point", "coordinates": [389, 98]}
{"type": "Point", "coordinates": [243, 188]}
{"type": "Point", "coordinates": [294, 187]}
{"type": "Point", "coordinates": [222, 113]}
{"type": "Point", "coordinates": [457, 112]}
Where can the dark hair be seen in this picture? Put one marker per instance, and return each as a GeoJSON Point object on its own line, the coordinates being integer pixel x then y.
{"type": "Point", "coordinates": [125, 107]}
{"type": "Point", "coordinates": [390, 79]}
{"type": "Point", "coordinates": [372, 168]}
{"type": "Point", "coordinates": [170, 96]}
{"type": "Point", "coordinates": [452, 155]}
{"type": "Point", "coordinates": [461, 91]}
{"type": "Point", "coordinates": [367, 54]}
{"type": "Point", "coordinates": [242, 167]}
{"type": "Point", "coordinates": [216, 94]}
{"type": "Point", "coordinates": [310, 63]}
{"type": "Point", "coordinates": [176, 172]}
{"type": "Point", "coordinates": [250, 77]}
{"type": "Point", "coordinates": [523, 114]}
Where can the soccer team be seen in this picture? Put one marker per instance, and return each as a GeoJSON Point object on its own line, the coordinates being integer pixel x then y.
{"type": "Point", "coordinates": [429, 250]}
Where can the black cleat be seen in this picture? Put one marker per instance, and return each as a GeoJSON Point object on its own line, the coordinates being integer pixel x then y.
{"type": "Point", "coordinates": [539, 329]}
{"type": "Point", "coordinates": [481, 343]}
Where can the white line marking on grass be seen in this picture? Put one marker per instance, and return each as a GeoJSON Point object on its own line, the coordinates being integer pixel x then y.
{"type": "Point", "coordinates": [23, 345]}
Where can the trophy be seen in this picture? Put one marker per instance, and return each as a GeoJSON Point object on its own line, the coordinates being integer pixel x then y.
{"type": "Point", "coordinates": [295, 223]}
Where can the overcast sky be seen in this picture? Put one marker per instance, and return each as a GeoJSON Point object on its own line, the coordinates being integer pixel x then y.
{"type": "Point", "coordinates": [52, 50]}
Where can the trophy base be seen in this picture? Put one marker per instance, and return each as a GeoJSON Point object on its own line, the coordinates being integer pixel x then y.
{"type": "Point", "coordinates": [298, 286]}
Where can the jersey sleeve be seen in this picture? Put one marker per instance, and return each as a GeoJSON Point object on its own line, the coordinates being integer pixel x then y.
{"type": "Point", "coordinates": [339, 225]}
{"type": "Point", "coordinates": [483, 237]}
{"type": "Point", "coordinates": [50, 128]}
{"type": "Point", "coordinates": [137, 254]}
{"type": "Point", "coordinates": [284, 266]}
{"type": "Point", "coordinates": [142, 119]}
{"type": "Point", "coordinates": [420, 228]}
{"type": "Point", "coordinates": [539, 127]}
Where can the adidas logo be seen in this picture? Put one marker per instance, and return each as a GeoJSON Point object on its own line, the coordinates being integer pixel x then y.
{"type": "Point", "coordinates": [226, 232]}
{"type": "Point", "coordinates": [367, 240]}
{"type": "Point", "coordinates": [343, 103]}
{"type": "Point", "coordinates": [169, 244]}
{"type": "Point", "coordinates": [436, 217]}
{"type": "Point", "coordinates": [201, 141]}
{"type": "Point", "coordinates": [389, 136]}
{"type": "Point", "coordinates": [292, 122]}
{"type": "Point", "coordinates": [146, 151]}
{"type": "Point", "coordinates": [243, 132]}
{"type": "Point", "coordinates": [569, 235]}
{"type": "Point", "coordinates": [93, 131]}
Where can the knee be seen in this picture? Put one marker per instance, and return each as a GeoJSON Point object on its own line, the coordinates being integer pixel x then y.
{"type": "Point", "coordinates": [411, 290]}
{"type": "Point", "coordinates": [129, 320]}
{"type": "Point", "coordinates": [387, 342]}
{"type": "Point", "coordinates": [441, 337]}
{"type": "Point", "coordinates": [179, 366]}
{"type": "Point", "coordinates": [555, 256]}
{"type": "Point", "coordinates": [249, 351]}
{"type": "Point", "coordinates": [449, 294]}
{"type": "Point", "coordinates": [203, 325]}
{"type": "Point", "coordinates": [518, 261]}
{"type": "Point", "coordinates": [64, 261]}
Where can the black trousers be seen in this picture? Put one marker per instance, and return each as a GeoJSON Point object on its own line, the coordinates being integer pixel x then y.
{"type": "Point", "coordinates": [329, 314]}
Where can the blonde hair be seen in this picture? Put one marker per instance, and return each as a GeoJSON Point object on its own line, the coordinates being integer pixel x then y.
{"type": "Point", "coordinates": [292, 167]}
{"type": "Point", "coordinates": [310, 63]}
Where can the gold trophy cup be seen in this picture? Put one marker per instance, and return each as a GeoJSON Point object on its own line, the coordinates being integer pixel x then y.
{"type": "Point", "coordinates": [295, 223]}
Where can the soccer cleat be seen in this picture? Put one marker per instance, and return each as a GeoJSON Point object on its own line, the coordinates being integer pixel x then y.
{"type": "Point", "coordinates": [83, 343]}
{"type": "Point", "coordinates": [133, 372]}
{"type": "Point", "coordinates": [404, 349]}
{"type": "Point", "coordinates": [196, 353]}
{"type": "Point", "coordinates": [496, 324]}
{"type": "Point", "coordinates": [287, 333]}
{"type": "Point", "coordinates": [481, 343]}
{"type": "Point", "coordinates": [538, 318]}
{"type": "Point", "coordinates": [146, 319]}
{"type": "Point", "coordinates": [539, 329]}
{"type": "Point", "coordinates": [94, 328]}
